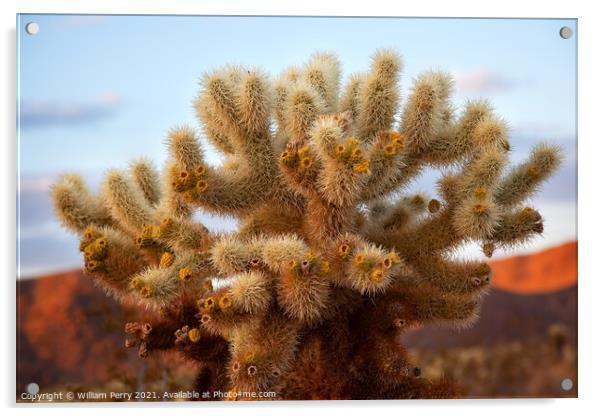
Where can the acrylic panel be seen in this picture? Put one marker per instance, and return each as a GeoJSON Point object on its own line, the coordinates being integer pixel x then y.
{"type": "Point", "coordinates": [295, 208]}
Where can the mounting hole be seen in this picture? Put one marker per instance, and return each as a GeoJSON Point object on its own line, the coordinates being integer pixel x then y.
{"type": "Point", "coordinates": [566, 32]}
{"type": "Point", "coordinates": [32, 388]}
{"type": "Point", "coordinates": [566, 384]}
{"type": "Point", "coordinates": [32, 28]}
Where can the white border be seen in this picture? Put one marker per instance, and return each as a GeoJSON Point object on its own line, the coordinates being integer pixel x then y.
{"type": "Point", "coordinates": [590, 206]}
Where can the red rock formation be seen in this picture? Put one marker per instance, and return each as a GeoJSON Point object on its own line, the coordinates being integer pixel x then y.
{"type": "Point", "coordinates": [67, 330]}
{"type": "Point", "coordinates": [549, 270]}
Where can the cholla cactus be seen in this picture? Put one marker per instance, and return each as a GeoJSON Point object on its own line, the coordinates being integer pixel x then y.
{"type": "Point", "coordinates": [331, 262]}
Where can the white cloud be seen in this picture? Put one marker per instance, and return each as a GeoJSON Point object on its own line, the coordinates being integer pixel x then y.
{"type": "Point", "coordinates": [47, 230]}
{"type": "Point", "coordinates": [37, 113]}
{"type": "Point", "coordinates": [35, 184]}
{"type": "Point", "coordinates": [481, 81]}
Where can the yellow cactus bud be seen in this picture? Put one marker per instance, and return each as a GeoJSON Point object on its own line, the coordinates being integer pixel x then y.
{"type": "Point", "coordinates": [185, 274]}
{"type": "Point", "coordinates": [376, 275]}
{"type": "Point", "coordinates": [287, 158]}
{"type": "Point", "coordinates": [394, 257]}
{"type": "Point", "coordinates": [194, 335]}
{"type": "Point", "coordinates": [480, 192]}
{"type": "Point", "coordinates": [146, 292]}
{"type": "Point", "coordinates": [479, 209]}
{"type": "Point", "coordinates": [136, 283]}
{"type": "Point", "coordinates": [397, 139]}
{"type": "Point", "coordinates": [94, 266]}
{"type": "Point", "coordinates": [390, 150]}
{"type": "Point", "coordinates": [91, 234]}
{"type": "Point", "coordinates": [305, 163]}
{"type": "Point", "coordinates": [311, 257]}
{"type": "Point", "coordinates": [359, 259]}
{"type": "Point", "coordinates": [200, 170]}
{"type": "Point", "coordinates": [183, 180]}
{"type": "Point", "coordinates": [188, 197]}
{"type": "Point", "coordinates": [209, 303]}
{"type": "Point", "coordinates": [361, 167]}
{"type": "Point", "coordinates": [83, 244]}
{"type": "Point", "coordinates": [225, 302]}
{"type": "Point", "coordinates": [165, 228]}
{"type": "Point", "coordinates": [202, 185]}
{"type": "Point", "coordinates": [101, 243]}
{"type": "Point", "coordinates": [356, 154]}
{"type": "Point", "coordinates": [303, 152]}
{"type": "Point", "coordinates": [352, 142]}
{"type": "Point", "coordinates": [97, 250]}
{"type": "Point", "coordinates": [344, 250]}
{"type": "Point", "coordinates": [146, 239]}
{"type": "Point", "coordinates": [166, 260]}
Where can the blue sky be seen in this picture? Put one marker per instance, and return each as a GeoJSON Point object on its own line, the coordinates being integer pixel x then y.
{"type": "Point", "coordinates": [98, 91]}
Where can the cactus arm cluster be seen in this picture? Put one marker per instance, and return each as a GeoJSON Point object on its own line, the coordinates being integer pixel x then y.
{"type": "Point", "coordinates": [332, 261]}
